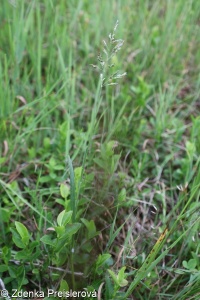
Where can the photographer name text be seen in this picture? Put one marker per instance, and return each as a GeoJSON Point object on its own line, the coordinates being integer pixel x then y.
{"type": "Point", "coordinates": [49, 293]}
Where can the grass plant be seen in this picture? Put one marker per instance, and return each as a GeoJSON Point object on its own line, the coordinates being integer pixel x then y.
{"type": "Point", "coordinates": [99, 148]}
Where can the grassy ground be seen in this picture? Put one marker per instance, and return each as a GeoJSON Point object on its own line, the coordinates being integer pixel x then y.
{"type": "Point", "coordinates": [99, 183]}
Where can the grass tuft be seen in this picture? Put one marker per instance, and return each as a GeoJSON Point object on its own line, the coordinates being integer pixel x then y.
{"type": "Point", "coordinates": [99, 148]}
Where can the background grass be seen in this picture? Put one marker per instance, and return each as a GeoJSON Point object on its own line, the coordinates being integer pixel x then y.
{"type": "Point", "coordinates": [133, 148]}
